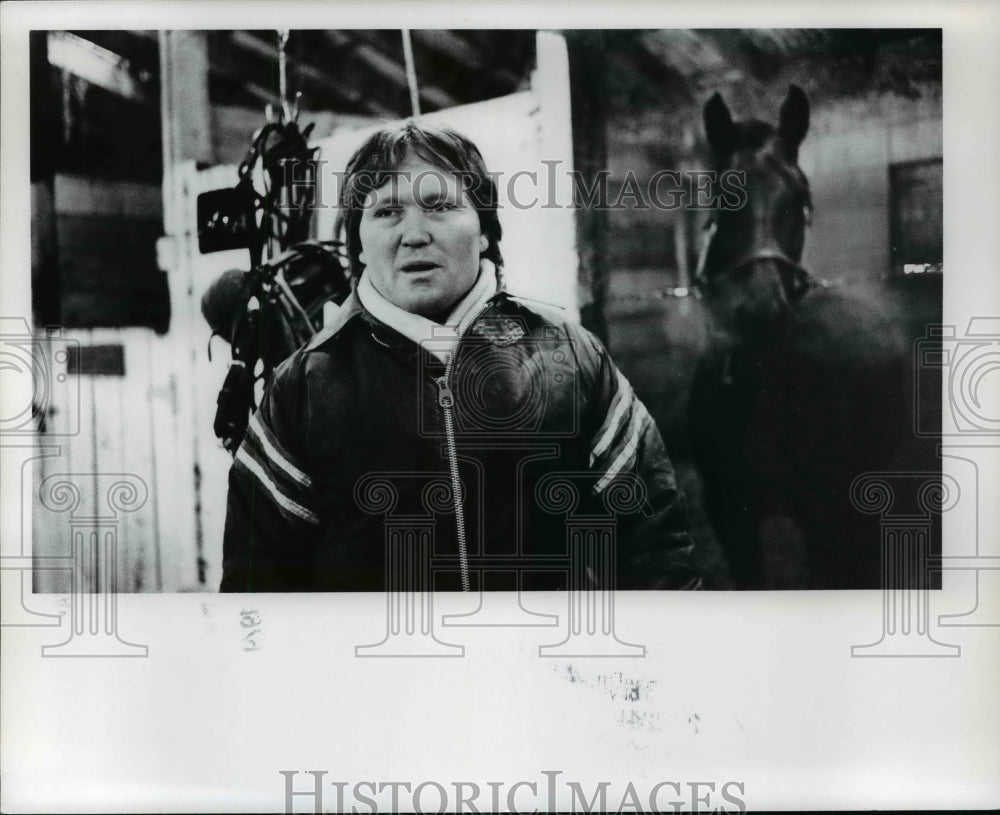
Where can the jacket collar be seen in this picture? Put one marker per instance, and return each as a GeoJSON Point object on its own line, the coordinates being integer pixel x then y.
{"type": "Point", "coordinates": [438, 339]}
{"type": "Point", "coordinates": [350, 308]}
{"type": "Point", "coordinates": [501, 330]}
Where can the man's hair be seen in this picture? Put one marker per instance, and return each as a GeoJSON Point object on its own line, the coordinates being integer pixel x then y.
{"type": "Point", "coordinates": [374, 163]}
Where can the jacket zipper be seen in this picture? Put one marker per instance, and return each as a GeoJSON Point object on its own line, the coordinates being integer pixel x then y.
{"type": "Point", "coordinates": [446, 399]}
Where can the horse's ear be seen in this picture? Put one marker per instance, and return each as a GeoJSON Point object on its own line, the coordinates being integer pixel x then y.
{"type": "Point", "coordinates": [719, 127]}
{"type": "Point", "coordinates": [794, 120]}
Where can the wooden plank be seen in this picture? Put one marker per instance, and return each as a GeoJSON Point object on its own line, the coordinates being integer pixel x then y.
{"type": "Point", "coordinates": [44, 122]}
{"type": "Point", "coordinates": [124, 435]}
{"type": "Point", "coordinates": [176, 367]}
{"type": "Point", "coordinates": [139, 455]}
{"type": "Point", "coordinates": [186, 128]}
{"type": "Point", "coordinates": [179, 503]}
{"type": "Point", "coordinates": [45, 276]}
{"type": "Point", "coordinates": [588, 58]}
{"type": "Point", "coordinates": [78, 195]}
{"type": "Point", "coordinates": [151, 577]}
{"type": "Point", "coordinates": [555, 219]}
{"type": "Point", "coordinates": [109, 422]}
{"type": "Point", "coordinates": [73, 422]}
{"type": "Point", "coordinates": [170, 480]}
{"type": "Point", "coordinates": [95, 64]}
{"type": "Point", "coordinates": [212, 460]}
{"type": "Point", "coordinates": [49, 531]}
{"type": "Point", "coordinates": [172, 466]}
{"type": "Point", "coordinates": [85, 465]}
{"type": "Point", "coordinates": [184, 105]}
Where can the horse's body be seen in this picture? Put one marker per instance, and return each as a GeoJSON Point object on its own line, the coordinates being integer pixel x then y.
{"type": "Point", "coordinates": [802, 386]}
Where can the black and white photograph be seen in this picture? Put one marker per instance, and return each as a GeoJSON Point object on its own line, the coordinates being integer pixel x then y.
{"type": "Point", "coordinates": [611, 372]}
{"type": "Point", "coordinates": [692, 266]}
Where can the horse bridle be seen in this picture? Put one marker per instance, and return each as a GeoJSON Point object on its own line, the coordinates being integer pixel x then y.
{"type": "Point", "coordinates": [796, 283]}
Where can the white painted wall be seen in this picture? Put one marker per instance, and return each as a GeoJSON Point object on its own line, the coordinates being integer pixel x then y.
{"type": "Point", "coordinates": [515, 134]}
{"type": "Point", "coordinates": [846, 156]}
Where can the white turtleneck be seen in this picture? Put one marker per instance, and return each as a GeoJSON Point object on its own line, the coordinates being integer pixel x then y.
{"type": "Point", "coordinates": [438, 339]}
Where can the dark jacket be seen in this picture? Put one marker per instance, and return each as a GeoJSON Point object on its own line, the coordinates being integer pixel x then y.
{"type": "Point", "coordinates": [349, 463]}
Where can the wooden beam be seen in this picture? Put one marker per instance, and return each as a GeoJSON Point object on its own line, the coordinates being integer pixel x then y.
{"type": "Point", "coordinates": [97, 65]}
{"type": "Point", "coordinates": [588, 62]}
{"type": "Point", "coordinates": [184, 105]}
{"type": "Point", "coordinates": [45, 147]}
{"type": "Point", "coordinates": [248, 42]}
{"type": "Point", "coordinates": [550, 88]}
{"type": "Point", "coordinates": [741, 53]}
{"type": "Point", "coordinates": [186, 123]}
{"type": "Point", "coordinates": [368, 53]}
{"type": "Point", "coordinates": [685, 53]}
{"type": "Point", "coordinates": [451, 45]}
{"type": "Point", "coordinates": [226, 69]}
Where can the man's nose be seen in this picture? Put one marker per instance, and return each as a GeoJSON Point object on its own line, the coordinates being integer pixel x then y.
{"type": "Point", "coordinates": [414, 231]}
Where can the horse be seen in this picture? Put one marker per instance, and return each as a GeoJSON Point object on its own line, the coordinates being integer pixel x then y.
{"type": "Point", "coordinates": [801, 386]}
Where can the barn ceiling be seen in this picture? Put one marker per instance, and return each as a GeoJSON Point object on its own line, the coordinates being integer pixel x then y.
{"type": "Point", "coordinates": [102, 88]}
{"type": "Point", "coordinates": [361, 72]}
{"type": "Point", "coordinates": [350, 71]}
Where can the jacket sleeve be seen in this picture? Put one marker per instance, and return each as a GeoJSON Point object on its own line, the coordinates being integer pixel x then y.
{"type": "Point", "coordinates": [633, 478]}
{"type": "Point", "coordinates": [271, 522]}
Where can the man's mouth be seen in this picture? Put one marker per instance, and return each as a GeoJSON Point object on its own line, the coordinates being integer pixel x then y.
{"type": "Point", "coordinates": [419, 266]}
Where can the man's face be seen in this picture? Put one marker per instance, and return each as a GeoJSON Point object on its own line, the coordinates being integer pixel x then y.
{"type": "Point", "coordinates": [421, 239]}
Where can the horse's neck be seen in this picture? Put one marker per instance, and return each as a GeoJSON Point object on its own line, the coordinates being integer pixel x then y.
{"type": "Point", "coordinates": [739, 365]}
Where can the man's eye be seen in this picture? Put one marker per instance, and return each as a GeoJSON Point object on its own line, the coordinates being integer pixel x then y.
{"type": "Point", "coordinates": [441, 206]}
{"type": "Point", "coordinates": [385, 212]}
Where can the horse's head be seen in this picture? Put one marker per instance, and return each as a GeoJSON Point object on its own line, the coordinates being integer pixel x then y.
{"type": "Point", "coordinates": [750, 273]}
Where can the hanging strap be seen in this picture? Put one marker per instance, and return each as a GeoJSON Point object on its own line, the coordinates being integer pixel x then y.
{"type": "Point", "coordinates": [411, 72]}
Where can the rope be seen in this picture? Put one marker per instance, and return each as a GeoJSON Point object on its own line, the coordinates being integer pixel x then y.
{"type": "Point", "coordinates": [283, 71]}
{"type": "Point", "coordinates": [411, 72]}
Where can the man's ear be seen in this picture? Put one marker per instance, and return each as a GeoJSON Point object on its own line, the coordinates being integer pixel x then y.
{"type": "Point", "coordinates": [361, 258]}
{"type": "Point", "coordinates": [484, 242]}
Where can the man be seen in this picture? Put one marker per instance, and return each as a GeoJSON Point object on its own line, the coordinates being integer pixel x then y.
{"type": "Point", "coordinates": [443, 420]}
